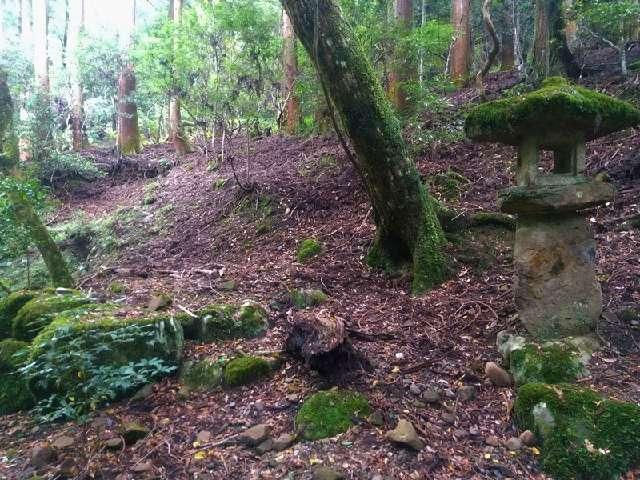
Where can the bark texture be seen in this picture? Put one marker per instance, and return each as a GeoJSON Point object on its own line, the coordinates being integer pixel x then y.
{"type": "Point", "coordinates": [508, 46]}
{"type": "Point", "coordinates": [541, 48]}
{"type": "Point", "coordinates": [40, 48]}
{"type": "Point", "coordinates": [290, 66]}
{"type": "Point", "coordinates": [401, 67]}
{"type": "Point", "coordinates": [461, 48]}
{"type": "Point", "coordinates": [408, 231]}
{"type": "Point", "coordinates": [128, 132]}
{"type": "Point", "coordinates": [176, 134]}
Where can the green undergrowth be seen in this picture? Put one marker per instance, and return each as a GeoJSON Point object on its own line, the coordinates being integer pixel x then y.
{"type": "Point", "coordinates": [308, 249]}
{"type": "Point", "coordinates": [585, 436]}
{"type": "Point", "coordinates": [328, 413]}
{"type": "Point", "coordinates": [14, 392]}
{"type": "Point", "coordinates": [9, 307]}
{"type": "Point", "coordinates": [549, 363]}
{"type": "Point", "coordinates": [244, 370]}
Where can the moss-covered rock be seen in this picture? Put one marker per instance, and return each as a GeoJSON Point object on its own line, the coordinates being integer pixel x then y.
{"type": "Point", "coordinates": [202, 375]}
{"type": "Point", "coordinates": [307, 298]}
{"type": "Point", "coordinates": [14, 392]}
{"type": "Point", "coordinates": [307, 249]}
{"type": "Point", "coordinates": [328, 413]}
{"type": "Point", "coordinates": [585, 436]}
{"type": "Point", "coordinates": [549, 363]}
{"type": "Point", "coordinates": [9, 307]}
{"type": "Point", "coordinates": [555, 113]}
{"type": "Point", "coordinates": [39, 312]}
{"type": "Point", "coordinates": [225, 322]}
{"type": "Point", "coordinates": [243, 370]}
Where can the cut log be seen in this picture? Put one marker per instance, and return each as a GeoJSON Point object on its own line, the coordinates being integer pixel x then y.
{"type": "Point", "coordinates": [322, 342]}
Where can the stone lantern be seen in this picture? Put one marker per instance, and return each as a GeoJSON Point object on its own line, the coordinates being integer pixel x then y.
{"type": "Point", "coordinates": [556, 289]}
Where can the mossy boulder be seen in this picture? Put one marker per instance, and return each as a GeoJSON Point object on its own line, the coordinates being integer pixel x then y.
{"type": "Point", "coordinates": [308, 249]}
{"type": "Point", "coordinates": [585, 436]}
{"type": "Point", "coordinates": [307, 298]}
{"type": "Point", "coordinates": [14, 392]}
{"type": "Point", "coordinates": [39, 312]}
{"type": "Point", "coordinates": [556, 114]}
{"type": "Point", "coordinates": [549, 363]}
{"type": "Point", "coordinates": [244, 370]}
{"type": "Point", "coordinates": [202, 375]}
{"type": "Point", "coordinates": [9, 307]}
{"type": "Point", "coordinates": [225, 322]}
{"type": "Point", "coordinates": [328, 413]}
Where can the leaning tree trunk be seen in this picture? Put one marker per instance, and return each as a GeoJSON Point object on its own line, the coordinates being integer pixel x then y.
{"type": "Point", "coordinates": [408, 231]}
{"type": "Point", "coordinates": [461, 48]}
{"type": "Point", "coordinates": [128, 132]}
{"type": "Point", "coordinates": [401, 66]}
{"type": "Point", "coordinates": [290, 66]}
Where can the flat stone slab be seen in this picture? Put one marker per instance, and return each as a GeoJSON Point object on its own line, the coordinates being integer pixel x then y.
{"type": "Point", "coordinates": [556, 291]}
{"type": "Point", "coordinates": [549, 199]}
{"type": "Point", "coordinates": [556, 114]}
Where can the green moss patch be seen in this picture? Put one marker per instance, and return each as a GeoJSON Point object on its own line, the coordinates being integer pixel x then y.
{"type": "Point", "coordinates": [9, 307]}
{"type": "Point", "coordinates": [557, 110]}
{"type": "Point", "coordinates": [14, 392]}
{"type": "Point", "coordinates": [328, 413]}
{"type": "Point", "coordinates": [202, 375]}
{"type": "Point", "coordinates": [36, 314]}
{"type": "Point", "coordinates": [308, 249]}
{"type": "Point", "coordinates": [585, 436]}
{"type": "Point", "coordinates": [244, 370]}
{"type": "Point", "coordinates": [307, 298]}
{"type": "Point", "coordinates": [550, 363]}
{"type": "Point", "coordinates": [225, 322]}
{"type": "Point", "coordinates": [10, 357]}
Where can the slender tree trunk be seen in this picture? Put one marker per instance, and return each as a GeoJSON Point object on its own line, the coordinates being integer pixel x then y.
{"type": "Point", "coordinates": [508, 51]}
{"type": "Point", "coordinates": [400, 72]}
{"type": "Point", "coordinates": [624, 69]}
{"type": "Point", "coordinates": [128, 132]}
{"type": "Point", "coordinates": [290, 67]}
{"type": "Point", "coordinates": [408, 231]}
{"type": "Point", "coordinates": [495, 46]}
{"type": "Point", "coordinates": [423, 21]}
{"type": "Point", "coordinates": [461, 48]}
{"type": "Point", "coordinates": [570, 25]}
{"type": "Point", "coordinates": [176, 134]}
{"type": "Point", "coordinates": [40, 33]}
{"type": "Point", "coordinates": [77, 116]}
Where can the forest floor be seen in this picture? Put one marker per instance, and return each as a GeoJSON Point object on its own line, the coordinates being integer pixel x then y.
{"type": "Point", "coordinates": [202, 229]}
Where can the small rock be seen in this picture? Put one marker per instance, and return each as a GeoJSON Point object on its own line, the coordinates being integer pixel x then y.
{"type": "Point", "coordinates": [292, 398]}
{"type": "Point", "coordinates": [283, 442]}
{"type": "Point", "coordinates": [132, 432]}
{"type": "Point", "coordinates": [460, 434]}
{"type": "Point", "coordinates": [142, 467]}
{"type": "Point", "coordinates": [431, 395]}
{"type": "Point", "coordinates": [67, 468]}
{"type": "Point", "coordinates": [405, 434]}
{"type": "Point", "coordinates": [419, 404]}
{"type": "Point", "coordinates": [63, 442]}
{"type": "Point", "coordinates": [265, 446]}
{"type": "Point", "coordinates": [255, 435]}
{"type": "Point", "coordinates": [42, 455]}
{"type": "Point", "coordinates": [326, 473]}
{"type": "Point", "coordinates": [159, 302]}
{"type": "Point", "coordinates": [513, 444]}
{"type": "Point", "coordinates": [376, 418]}
{"type": "Point", "coordinates": [474, 430]}
{"type": "Point", "coordinates": [259, 405]}
{"type": "Point", "coordinates": [498, 375]}
{"type": "Point", "coordinates": [528, 438]}
{"type": "Point", "coordinates": [448, 418]}
{"type": "Point", "coordinates": [466, 393]}
{"type": "Point", "coordinates": [142, 394]}
{"type": "Point", "coordinates": [203, 436]}
{"type": "Point", "coordinates": [183, 393]}
{"type": "Point", "coordinates": [415, 389]}
{"type": "Point", "coordinates": [493, 441]}
{"type": "Point", "coordinates": [228, 285]}
{"type": "Point", "coordinates": [113, 443]}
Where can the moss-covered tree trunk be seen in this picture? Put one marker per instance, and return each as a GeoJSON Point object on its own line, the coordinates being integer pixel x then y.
{"type": "Point", "coordinates": [408, 231]}
{"type": "Point", "coordinates": [128, 131]}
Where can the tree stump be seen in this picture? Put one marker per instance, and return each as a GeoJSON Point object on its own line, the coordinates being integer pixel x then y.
{"type": "Point", "coordinates": [322, 342]}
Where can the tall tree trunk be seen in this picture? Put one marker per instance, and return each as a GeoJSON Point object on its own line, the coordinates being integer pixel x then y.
{"type": "Point", "coordinates": [40, 33]}
{"type": "Point", "coordinates": [290, 67]}
{"type": "Point", "coordinates": [408, 231]}
{"type": "Point", "coordinates": [401, 66]}
{"type": "Point", "coordinates": [508, 51]}
{"type": "Point", "coordinates": [561, 18]}
{"type": "Point", "coordinates": [461, 48]}
{"type": "Point", "coordinates": [128, 131]}
{"type": "Point", "coordinates": [77, 115]}
{"type": "Point", "coordinates": [176, 134]}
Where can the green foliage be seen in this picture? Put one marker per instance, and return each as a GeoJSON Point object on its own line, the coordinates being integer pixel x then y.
{"type": "Point", "coordinates": [77, 365]}
{"type": "Point", "coordinates": [590, 438]}
{"type": "Point", "coordinates": [9, 307]}
{"type": "Point", "coordinates": [556, 107]}
{"type": "Point", "coordinates": [204, 374]}
{"type": "Point", "coordinates": [616, 20]}
{"type": "Point", "coordinates": [36, 314]}
{"type": "Point", "coordinates": [550, 363]}
{"type": "Point", "coordinates": [243, 370]}
{"type": "Point", "coordinates": [14, 393]}
{"type": "Point", "coordinates": [326, 414]}
{"type": "Point", "coordinates": [308, 249]}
